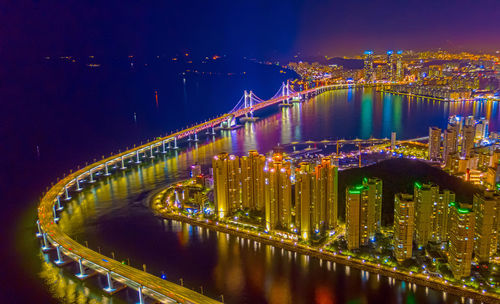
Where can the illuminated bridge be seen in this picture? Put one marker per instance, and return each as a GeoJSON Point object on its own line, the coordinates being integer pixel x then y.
{"type": "Point", "coordinates": [91, 262]}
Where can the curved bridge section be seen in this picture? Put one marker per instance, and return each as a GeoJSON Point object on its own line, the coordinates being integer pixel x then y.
{"type": "Point", "coordinates": [146, 284]}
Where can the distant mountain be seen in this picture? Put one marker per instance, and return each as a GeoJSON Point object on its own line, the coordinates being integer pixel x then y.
{"type": "Point", "coordinates": [348, 64]}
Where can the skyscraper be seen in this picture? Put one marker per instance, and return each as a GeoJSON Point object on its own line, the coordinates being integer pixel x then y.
{"type": "Point", "coordinates": [399, 66]}
{"type": "Point", "coordinates": [404, 225]}
{"type": "Point", "coordinates": [462, 225]}
{"type": "Point", "coordinates": [485, 206]}
{"type": "Point", "coordinates": [324, 202]}
{"type": "Point", "coordinates": [368, 66]}
{"type": "Point", "coordinates": [434, 142]}
{"type": "Point", "coordinates": [391, 65]}
{"type": "Point", "coordinates": [360, 217]}
{"type": "Point", "coordinates": [374, 213]}
{"type": "Point", "coordinates": [450, 142]}
{"type": "Point", "coordinates": [354, 199]}
{"type": "Point", "coordinates": [226, 184]}
{"type": "Point", "coordinates": [278, 194]}
{"type": "Point", "coordinates": [425, 196]}
{"type": "Point", "coordinates": [467, 140]}
{"type": "Point", "coordinates": [481, 127]}
{"type": "Point", "coordinates": [440, 216]}
{"type": "Point", "coordinates": [303, 200]}
{"type": "Point", "coordinates": [252, 180]}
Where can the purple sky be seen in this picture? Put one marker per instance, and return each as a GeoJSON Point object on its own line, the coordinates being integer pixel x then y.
{"type": "Point", "coordinates": [261, 28]}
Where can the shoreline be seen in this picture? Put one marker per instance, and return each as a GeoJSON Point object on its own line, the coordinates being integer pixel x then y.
{"type": "Point", "coordinates": [322, 255]}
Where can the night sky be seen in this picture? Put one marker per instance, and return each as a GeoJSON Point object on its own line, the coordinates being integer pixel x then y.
{"type": "Point", "coordinates": [247, 28]}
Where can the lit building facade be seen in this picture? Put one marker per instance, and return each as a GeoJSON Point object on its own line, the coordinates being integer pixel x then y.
{"type": "Point", "coordinates": [461, 240]}
{"type": "Point", "coordinates": [485, 206]}
{"type": "Point", "coordinates": [360, 217]}
{"type": "Point", "coordinates": [434, 142]}
{"type": "Point", "coordinates": [440, 215]}
{"type": "Point", "coordinates": [303, 200]}
{"type": "Point", "coordinates": [425, 196]}
{"type": "Point", "coordinates": [404, 225]}
{"type": "Point", "coordinates": [252, 180]}
{"type": "Point", "coordinates": [368, 66]}
{"type": "Point", "coordinates": [354, 200]}
{"type": "Point", "coordinates": [278, 194]}
{"type": "Point", "coordinates": [374, 214]}
{"type": "Point", "coordinates": [226, 184]}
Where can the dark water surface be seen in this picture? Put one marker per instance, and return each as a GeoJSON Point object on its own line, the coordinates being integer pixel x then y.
{"type": "Point", "coordinates": [88, 115]}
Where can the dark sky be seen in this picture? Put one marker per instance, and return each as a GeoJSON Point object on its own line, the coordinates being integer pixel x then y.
{"type": "Point", "coordinates": [249, 28]}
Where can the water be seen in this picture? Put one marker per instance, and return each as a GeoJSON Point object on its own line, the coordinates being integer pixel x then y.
{"type": "Point", "coordinates": [94, 113]}
{"type": "Point", "coordinates": [114, 214]}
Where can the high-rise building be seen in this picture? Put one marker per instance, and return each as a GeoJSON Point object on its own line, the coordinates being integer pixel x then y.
{"type": "Point", "coordinates": [461, 239]}
{"type": "Point", "coordinates": [485, 206]}
{"type": "Point", "coordinates": [404, 225]}
{"type": "Point", "coordinates": [278, 194]}
{"type": "Point", "coordinates": [368, 66]}
{"type": "Point", "coordinates": [440, 216]}
{"type": "Point", "coordinates": [355, 198]}
{"type": "Point", "coordinates": [374, 212]}
{"type": "Point", "coordinates": [324, 203]}
{"type": "Point", "coordinates": [434, 142]}
{"type": "Point", "coordinates": [449, 143]}
{"type": "Point", "coordinates": [303, 200]}
{"type": "Point", "coordinates": [252, 180]}
{"type": "Point", "coordinates": [481, 128]}
{"type": "Point", "coordinates": [391, 65]}
{"type": "Point", "coordinates": [318, 188]}
{"type": "Point", "coordinates": [360, 217]}
{"type": "Point", "coordinates": [399, 66]}
{"type": "Point", "coordinates": [467, 140]}
{"type": "Point", "coordinates": [425, 196]}
{"type": "Point", "coordinates": [226, 184]}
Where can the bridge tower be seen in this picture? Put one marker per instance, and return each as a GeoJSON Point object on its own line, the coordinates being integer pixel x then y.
{"type": "Point", "coordinates": [285, 93]}
{"type": "Point", "coordinates": [248, 103]}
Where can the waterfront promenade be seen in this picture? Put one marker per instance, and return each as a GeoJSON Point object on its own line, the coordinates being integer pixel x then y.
{"type": "Point", "coordinates": [325, 255]}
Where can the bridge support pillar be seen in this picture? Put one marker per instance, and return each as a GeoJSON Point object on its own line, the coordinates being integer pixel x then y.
{"type": "Point", "coordinates": [92, 177]}
{"type": "Point", "coordinates": [55, 213]}
{"type": "Point", "coordinates": [59, 207]}
{"type": "Point", "coordinates": [189, 137]}
{"type": "Point", "coordinates": [138, 158]}
{"type": "Point", "coordinates": [163, 147]}
{"type": "Point", "coordinates": [175, 143]}
{"type": "Point", "coordinates": [123, 164]}
{"type": "Point", "coordinates": [110, 282]}
{"type": "Point", "coordinates": [106, 170]}
{"type": "Point", "coordinates": [39, 233]}
{"type": "Point", "coordinates": [82, 273]}
{"type": "Point", "coordinates": [60, 259]}
{"type": "Point", "coordinates": [78, 184]}
{"type": "Point", "coordinates": [46, 246]}
{"type": "Point", "coordinates": [195, 136]}
{"type": "Point", "coordinates": [151, 152]}
{"type": "Point", "coordinates": [141, 297]}
{"type": "Point", "coordinates": [66, 192]}
{"type": "Point", "coordinates": [213, 131]}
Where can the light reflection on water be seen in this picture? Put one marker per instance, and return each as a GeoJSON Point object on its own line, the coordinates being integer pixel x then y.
{"type": "Point", "coordinates": [113, 214]}
{"type": "Point", "coordinates": [67, 289]}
